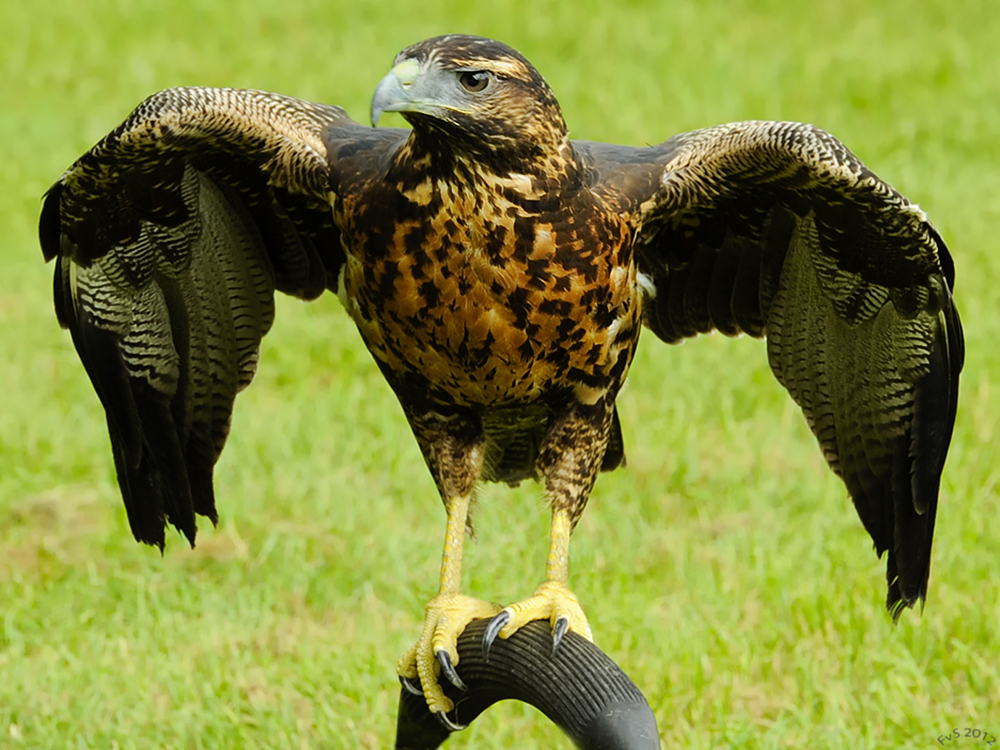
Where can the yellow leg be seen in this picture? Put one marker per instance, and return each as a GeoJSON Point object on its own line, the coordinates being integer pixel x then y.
{"type": "Point", "coordinates": [557, 564]}
{"type": "Point", "coordinates": [552, 600]}
{"type": "Point", "coordinates": [446, 615]}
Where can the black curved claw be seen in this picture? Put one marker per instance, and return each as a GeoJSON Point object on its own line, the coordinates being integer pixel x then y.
{"type": "Point", "coordinates": [561, 628]}
{"type": "Point", "coordinates": [495, 626]}
{"type": "Point", "coordinates": [448, 670]}
{"type": "Point", "coordinates": [409, 687]}
{"type": "Point", "coordinates": [448, 723]}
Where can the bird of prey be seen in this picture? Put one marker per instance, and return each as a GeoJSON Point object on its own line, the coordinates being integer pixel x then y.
{"type": "Point", "coordinates": [500, 274]}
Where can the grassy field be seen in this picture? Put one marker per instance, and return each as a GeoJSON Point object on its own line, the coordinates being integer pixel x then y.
{"type": "Point", "coordinates": [725, 569]}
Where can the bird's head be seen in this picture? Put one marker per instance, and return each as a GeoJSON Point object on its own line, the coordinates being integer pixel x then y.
{"type": "Point", "coordinates": [473, 94]}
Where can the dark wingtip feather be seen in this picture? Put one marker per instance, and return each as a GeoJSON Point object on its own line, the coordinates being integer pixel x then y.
{"type": "Point", "coordinates": [145, 515]}
{"type": "Point", "coordinates": [156, 489]}
{"type": "Point", "coordinates": [200, 459]}
{"type": "Point", "coordinates": [897, 601]}
{"type": "Point", "coordinates": [917, 487]}
{"type": "Point", "coordinates": [49, 223]}
{"type": "Point", "coordinates": [895, 606]}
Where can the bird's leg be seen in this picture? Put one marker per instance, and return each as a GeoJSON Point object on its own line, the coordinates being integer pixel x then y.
{"type": "Point", "coordinates": [569, 461]}
{"type": "Point", "coordinates": [552, 601]}
{"type": "Point", "coordinates": [455, 463]}
{"type": "Point", "coordinates": [445, 617]}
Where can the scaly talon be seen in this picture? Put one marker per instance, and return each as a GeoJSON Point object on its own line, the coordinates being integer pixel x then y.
{"type": "Point", "coordinates": [448, 670]}
{"type": "Point", "coordinates": [410, 687]}
{"type": "Point", "coordinates": [436, 651]}
{"type": "Point", "coordinates": [562, 625]}
{"type": "Point", "coordinates": [552, 601]}
{"type": "Point", "coordinates": [492, 629]}
{"type": "Point", "coordinates": [448, 723]}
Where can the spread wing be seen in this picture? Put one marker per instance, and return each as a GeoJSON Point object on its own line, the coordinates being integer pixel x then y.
{"type": "Point", "coordinates": [170, 238]}
{"type": "Point", "coordinates": [776, 229]}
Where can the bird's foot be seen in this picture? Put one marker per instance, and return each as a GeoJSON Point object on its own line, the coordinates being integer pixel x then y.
{"type": "Point", "coordinates": [552, 601]}
{"type": "Point", "coordinates": [436, 651]}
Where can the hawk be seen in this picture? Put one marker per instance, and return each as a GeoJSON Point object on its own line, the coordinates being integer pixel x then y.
{"type": "Point", "coordinates": [500, 274]}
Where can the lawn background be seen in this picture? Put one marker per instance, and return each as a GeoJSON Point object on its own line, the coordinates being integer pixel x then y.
{"type": "Point", "coordinates": [725, 569]}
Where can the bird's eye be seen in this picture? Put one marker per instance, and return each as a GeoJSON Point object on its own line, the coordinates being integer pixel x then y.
{"type": "Point", "coordinates": [474, 80]}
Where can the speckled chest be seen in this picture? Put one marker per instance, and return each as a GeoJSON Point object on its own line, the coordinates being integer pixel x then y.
{"type": "Point", "coordinates": [491, 292]}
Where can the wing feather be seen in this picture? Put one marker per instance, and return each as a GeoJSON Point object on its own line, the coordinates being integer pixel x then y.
{"type": "Point", "coordinates": [171, 237]}
{"type": "Point", "coordinates": [776, 229]}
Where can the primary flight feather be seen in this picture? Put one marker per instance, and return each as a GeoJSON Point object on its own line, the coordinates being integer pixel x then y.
{"type": "Point", "coordinates": [500, 274]}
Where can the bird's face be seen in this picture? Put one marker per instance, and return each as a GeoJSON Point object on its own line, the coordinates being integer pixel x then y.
{"type": "Point", "coordinates": [475, 92]}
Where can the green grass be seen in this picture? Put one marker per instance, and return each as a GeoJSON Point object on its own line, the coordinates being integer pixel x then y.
{"type": "Point", "coordinates": [725, 569]}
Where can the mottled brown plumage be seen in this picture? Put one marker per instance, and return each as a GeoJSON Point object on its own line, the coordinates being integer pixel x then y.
{"type": "Point", "coordinates": [499, 273]}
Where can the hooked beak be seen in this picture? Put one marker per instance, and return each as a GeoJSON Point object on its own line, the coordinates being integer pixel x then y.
{"type": "Point", "coordinates": [394, 92]}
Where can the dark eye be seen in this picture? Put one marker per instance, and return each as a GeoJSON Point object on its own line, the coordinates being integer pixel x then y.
{"type": "Point", "coordinates": [474, 80]}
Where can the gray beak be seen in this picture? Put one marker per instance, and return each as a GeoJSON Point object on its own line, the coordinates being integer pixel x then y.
{"type": "Point", "coordinates": [394, 92]}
